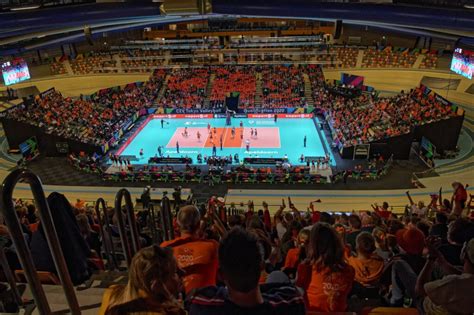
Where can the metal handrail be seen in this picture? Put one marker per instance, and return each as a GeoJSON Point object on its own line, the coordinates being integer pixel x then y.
{"type": "Point", "coordinates": [10, 278]}
{"type": "Point", "coordinates": [129, 251]}
{"type": "Point", "coordinates": [24, 254]}
{"type": "Point", "coordinates": [152, 222]}
{"type": "Point", "coordinates": [105, 227]}
{"type": "Point", "coordinates": [166, 219]}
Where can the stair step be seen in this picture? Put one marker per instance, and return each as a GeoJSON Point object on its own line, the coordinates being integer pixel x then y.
{"type": "Point", "coordinates": [89, 300]}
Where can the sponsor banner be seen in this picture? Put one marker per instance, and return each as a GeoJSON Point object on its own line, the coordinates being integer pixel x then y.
{"type": "Point", "coordinates": [280, 115]}
{"type": "Point", "coordinates": [240, 116]}
{"type": "Point", "coordinates": [442, 100]}
{"type": "Point", "coordinates": [197, 111]}
{"type": "Point", "coordinates": [180, 116]}
{"type": "Point", "coordinates": [47, 92]}
{"type": "Point", "coordinates": [267, 110]}
{"type": "Point", "coordinates": [267, 161]}
{"type": "Point", "coordinates": [170, 160]}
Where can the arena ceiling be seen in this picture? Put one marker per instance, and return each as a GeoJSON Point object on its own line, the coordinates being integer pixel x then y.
{"type": "Point", "coordinates": [32, 29]}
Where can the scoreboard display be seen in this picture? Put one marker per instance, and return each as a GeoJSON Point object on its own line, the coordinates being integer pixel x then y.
{"type": "Point", "coordinates": [463, 62]}
{"type": "Point", "coordinates": [15, 71]}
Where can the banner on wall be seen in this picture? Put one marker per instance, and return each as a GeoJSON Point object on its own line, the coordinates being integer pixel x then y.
{"type": "Point", "coordinates": [47, 92]}
{"type": "Point", "coordinates": [280, 115]}
{"type": "Point", "coordinates": [196, 111]}
{"type": "Point", "coordinates": [180, 116]}
{"type": "Point", "coordinates": [283, 110]}
{"type": "Point", "coordinates": [427, 92]}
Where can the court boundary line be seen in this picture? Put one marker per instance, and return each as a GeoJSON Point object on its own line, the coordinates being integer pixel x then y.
{"type": "Point", "coordinates": [134, 135]}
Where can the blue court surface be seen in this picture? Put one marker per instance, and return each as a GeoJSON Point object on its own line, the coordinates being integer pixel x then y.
{"type": "Point", "coordinates": [274, 139]}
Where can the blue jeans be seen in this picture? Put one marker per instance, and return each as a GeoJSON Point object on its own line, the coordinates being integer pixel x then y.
{"type": "Point", "coordinates": [403, 283]}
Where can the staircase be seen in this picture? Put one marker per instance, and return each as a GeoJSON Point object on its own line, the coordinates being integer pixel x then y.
{"type": "Point", "coordinates": [308, 90]}
{"type": "Point", "coordinates": [418, 61]}
{"type": "Point", "coordinates": [360, 58]}
{"type": "Point", "coordinates": [209, 90]}
{"type": "Point", "coordinates": [166, 61]}
{"type": "Point", "coordinates": [258, 90]}
{"type": "Point", "coordinates": [67, 66]}
{"type": "Point", "coordinates": [89, 300]}
{"type": "Point", "coordinates": [162, 90]}
{"type": "Point", "coordinates": [118, 63]}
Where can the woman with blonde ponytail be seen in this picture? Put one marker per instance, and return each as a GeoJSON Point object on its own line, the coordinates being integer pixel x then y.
{"type": "Point", "coordinates": [153, 286]}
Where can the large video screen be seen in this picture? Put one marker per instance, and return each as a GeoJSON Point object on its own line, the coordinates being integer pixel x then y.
{"type": "Point", "coordinates": [463, 62]}
{"type": "Point", "coordinates": [15, 71]}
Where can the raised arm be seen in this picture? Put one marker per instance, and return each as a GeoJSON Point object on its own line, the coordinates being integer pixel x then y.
{"type": "Point", "coordinates": [440, 197]}
{"type": "Point", "coordinates": [280, 210]}
{"type": "Point", "coordinates": [409, 198]}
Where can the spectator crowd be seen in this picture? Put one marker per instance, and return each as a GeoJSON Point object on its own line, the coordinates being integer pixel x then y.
{"type": "Point", "coordinates": [93, 120]}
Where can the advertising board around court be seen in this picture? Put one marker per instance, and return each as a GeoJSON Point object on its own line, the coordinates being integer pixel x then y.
{"type": "Point", "coordinates": [241, 111]}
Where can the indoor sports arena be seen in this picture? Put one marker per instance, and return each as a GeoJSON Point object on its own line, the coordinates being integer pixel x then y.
{"type": "Point", "coordinates": [236, 157]}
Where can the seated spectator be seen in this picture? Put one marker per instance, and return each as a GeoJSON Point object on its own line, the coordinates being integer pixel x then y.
{"type": "Point", "coordinates": [405, 266]}
{"type": "Point", "coordinates": [297, 254]}
{"type": "Point", "coordinates": [459, 231]}
{"type": "Point", "coordinates": [90, 236]}
{"type": "Point", "coordinates": [197, 257]}
{"type": "Point", "coordinates": [367, 264]}
{"type": "Point", "coordinates": [31, 215]}
{"type": "Point", "coordinates": [440, 227]}
{"type": "Point", "coordinates": [75, 249]}
{"type": "Point", "coordinates": [355, 224]}
{"type": "Point", "coordinates": [240, 266]}
{"type": "Point", "coordinates": [153, 286]}
{"type": "Point", "coordinates": [381, 244]}
{"type": "Point", "coordinates": [453, 293]}
{"type": "Point", "coordinates": [326, 277]}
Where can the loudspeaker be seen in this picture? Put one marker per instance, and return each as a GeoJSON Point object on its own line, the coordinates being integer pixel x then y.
{"type": "Point", "coordinates": [88, 34]}
{"type": "Point", "coordinates": [338, 29]}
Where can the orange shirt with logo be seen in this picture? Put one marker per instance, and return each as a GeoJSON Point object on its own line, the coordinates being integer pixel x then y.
{"type": "Point", "coordinates": [198, 257]}
{"type": "Point", "coordinates": [327, 290]}
{"type": "Point", "coordinates": [367, 271]}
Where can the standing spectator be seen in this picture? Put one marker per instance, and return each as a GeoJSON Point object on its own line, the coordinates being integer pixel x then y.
{"type": "Point", "coordinates": [459, 198]}
{"type": "Point", "coordinates": [418, 209]}
{"type": "Point", "coordinates": [197, 257]}
{"type": "Point", "coordinates": [241, 293]}
{"type": "Point", "coordinates": [153, 286]}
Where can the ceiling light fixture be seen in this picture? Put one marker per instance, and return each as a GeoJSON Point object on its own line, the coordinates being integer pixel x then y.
{"type": "Point", "coordinates": [29, 7]}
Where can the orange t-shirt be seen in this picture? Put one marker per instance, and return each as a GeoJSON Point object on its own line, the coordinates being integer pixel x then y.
{"type": "Point", "coordinates": [291, 260]}
{"type": "Point", "coordinates": [367, 271]}
{"type": "Point", "coordinates": [198, 257]}
{"type": "Point", "coordinates": [327, 291]}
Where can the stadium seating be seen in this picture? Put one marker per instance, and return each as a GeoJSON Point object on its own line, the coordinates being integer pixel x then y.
{"type": "Point", "coordinates": [57, 68]}
{"type": "Point", "coordinates": [234, 79]}
{"type": "Point", "coordinates": [430, 61]}
{"type": "Point", "coordinates": [283, 86]}
{"type": "Point", "coordinates": [186, 88]}
{"type": "Point", "coordinates": [388, 58]}
{"type": "Point", "coordinates": [372, 227]}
